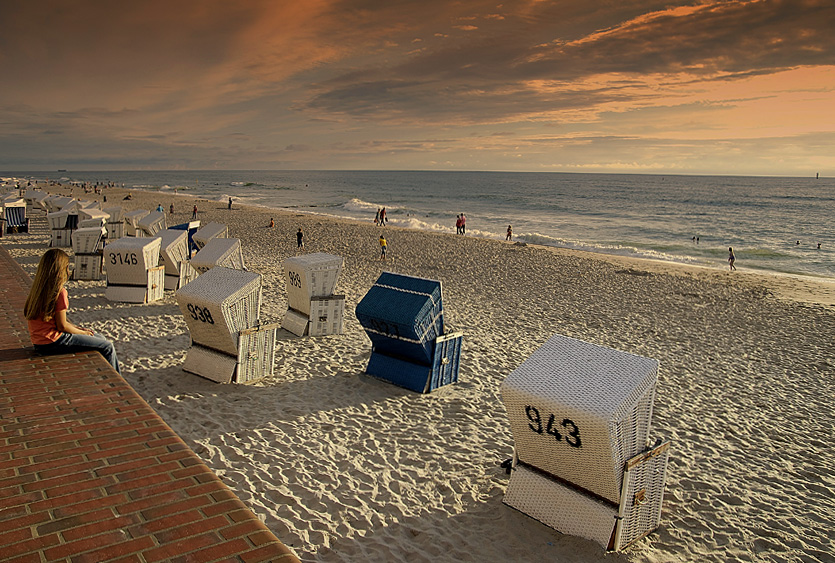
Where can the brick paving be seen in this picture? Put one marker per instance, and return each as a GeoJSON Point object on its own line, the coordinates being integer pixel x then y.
{"type": "Point", "coordinates": [90, 473]}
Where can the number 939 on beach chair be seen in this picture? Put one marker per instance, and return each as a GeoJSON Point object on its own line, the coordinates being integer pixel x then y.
{"type": "Point", "coordinates": [228, 343]}
{"type": "Point", "coordinates": [312, 306]}
{"type": "Point", "coordinates": [580, 416]}
{"type": "Point", "coordinates": [403, 316]}
{"type": "Point", "coordinates": [133, 274]}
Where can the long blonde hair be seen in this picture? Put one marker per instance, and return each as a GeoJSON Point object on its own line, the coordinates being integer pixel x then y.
{"type": "Point", "coordinates": [51, 276]}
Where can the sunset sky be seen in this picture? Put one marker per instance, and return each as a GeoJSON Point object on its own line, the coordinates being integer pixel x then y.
{"type": "Point", "coordinates": [710, 87]}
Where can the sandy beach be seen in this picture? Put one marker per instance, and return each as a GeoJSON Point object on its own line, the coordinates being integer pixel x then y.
{"type": "Point", "coordinates": [343, 467]}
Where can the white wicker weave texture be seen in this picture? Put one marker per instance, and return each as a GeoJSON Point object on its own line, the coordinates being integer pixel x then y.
{"type": "Point", "coordinates": [224, 252]}
{"type": "Point", "coordinates": [127, 260]}
{"type": "Point", "coordinates": [310, 275]}
{"type": "Point", "coordinates": [220, 304]}
{"type": "Point", "coordinates": [152, 223]}
{"type": "Point", "coordinates": [87, 267]}
{"type": "Point", "coordinates": [87, 240]}
{"type": "Point", "coordinates": [174, 249]}
{"type": "Point", "coordinates": [579, 411]}
{"type": "Point", "coordinates": [208, 232]}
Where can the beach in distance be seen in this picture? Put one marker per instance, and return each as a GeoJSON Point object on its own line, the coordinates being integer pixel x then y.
{"type": "Point", "coordinates": [344, 468]}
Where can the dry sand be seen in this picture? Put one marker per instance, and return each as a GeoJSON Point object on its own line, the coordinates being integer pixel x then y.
{"type": "Point", "coordinates": [343, 467]}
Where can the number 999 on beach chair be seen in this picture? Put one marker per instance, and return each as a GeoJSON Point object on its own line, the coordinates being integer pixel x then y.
{"type": "Point", "coordinates": [403, 316]}
{"type": "Point", "coordinates": [580, 416]}
{"type": "Point", "coordinates": [312, 306]}
{"type": "Point", "coordinates": [228, 344]}
{"type": "Point", "coordinates": [133, 275]}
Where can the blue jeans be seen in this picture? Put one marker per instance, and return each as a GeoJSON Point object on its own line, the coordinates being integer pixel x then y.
{"type": "Point", "coordinates": [68, 343]}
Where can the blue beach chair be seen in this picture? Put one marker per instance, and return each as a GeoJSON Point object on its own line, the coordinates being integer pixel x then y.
{"type": "Point", "coordinates": [191, 227]}
{"type": "Point", "coordinates": [403, 316]}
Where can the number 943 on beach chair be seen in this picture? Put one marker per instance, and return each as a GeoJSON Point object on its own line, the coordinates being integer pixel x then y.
{"type": "Point", "coordinates": [404, 318]}
{"type": "Point", "coordinates": [228, 344]}
{"type": "Point", "coordinates": [580, 416]}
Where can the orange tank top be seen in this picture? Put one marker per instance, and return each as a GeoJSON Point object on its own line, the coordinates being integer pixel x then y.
{"type": "Point", "coordinates": [46, 332]}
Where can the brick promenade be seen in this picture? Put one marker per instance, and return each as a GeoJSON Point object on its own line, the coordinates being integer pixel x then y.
{"type": "Point", "coordinates": [90, 473]}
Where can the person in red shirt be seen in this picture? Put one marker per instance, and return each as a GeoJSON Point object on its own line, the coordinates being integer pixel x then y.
{"type": "Point", "coordinates": [46, 312]}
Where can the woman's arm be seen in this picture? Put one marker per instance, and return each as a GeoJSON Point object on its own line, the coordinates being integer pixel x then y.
{"type": "Point", "coordinates": [63, 325]}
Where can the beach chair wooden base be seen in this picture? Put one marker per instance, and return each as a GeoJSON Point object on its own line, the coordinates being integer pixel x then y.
{"type": "Point", "coordinates": [418, 377]}
{"type": "Point", "coordinates": [255, 359]}
{"type": "Point", "coordinates": [148, 293]}
{"type": "Point", "coordinates": [570, 510]}
{"type": "Point", "coordinates": [61, 238]}
{"type": "Point", "coordinates": [172, 283]}
{"type": "Point", "coordinates": [295, 322]}
{"type": "Point", "coordinates": [87, 267]}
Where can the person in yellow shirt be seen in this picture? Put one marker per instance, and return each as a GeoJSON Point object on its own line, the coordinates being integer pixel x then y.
{"type": "Point", "coordinates": [383, 247]}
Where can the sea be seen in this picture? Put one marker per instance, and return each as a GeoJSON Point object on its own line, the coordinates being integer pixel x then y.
{"type": "Point", "coordinates": [780, 225]}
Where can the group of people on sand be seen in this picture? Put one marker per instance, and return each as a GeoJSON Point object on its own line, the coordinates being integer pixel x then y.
{"type": "Point", "coordinates": [380, 218]}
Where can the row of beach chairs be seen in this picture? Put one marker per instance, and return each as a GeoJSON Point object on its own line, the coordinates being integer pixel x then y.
{"type": "Point", "coordinates": [584, 461]}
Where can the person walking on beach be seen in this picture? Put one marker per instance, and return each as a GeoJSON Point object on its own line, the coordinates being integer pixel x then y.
{"type": "Point", "coordinates": [457, 224]}
{"type": "Point", "coordinates": [300, 239]}
{"type": "Point", "coordinates": [463, 224]}
{"type": "Point", "coordinates": [194, 212]}
{"type": "Point", "coordinates": [383, 219]}
{"type": "Point", "coordinates": [731, 258]}
{"type": "Point", "coordinates": [46, 312]}
{"type": "Point", "coordinates": [171, 209]}
{"type": "Point", "coordinates": [230, 204]}
{"type": "Point", "coordinates": [509, 233]}
{"type": "Point", "coordinates": [272, 223]}
{"type": "Point", "coordinates": [377, 217]}
{"type": "Point", "coordinates": [383, 247]}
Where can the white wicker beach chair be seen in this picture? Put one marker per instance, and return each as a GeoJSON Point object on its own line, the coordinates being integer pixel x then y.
{"type": "Point", "coordinates": [580, 416]}
{"type": "Point", "coordinates": [35, 199]}
{"type": "Point", "coordinates": [115, 222]}
{"type": "Point", "coordinates": [221, 309]}
{"type": "Point", "coordinates": [224, 252]}
{"type": "Point", "coordinates": [151, 224]}
{"type": "Point", "coordinates": [132, 272]}
{"type": "Point", "coordinates": [209, 231]}
{"type": "Point", "coordinates": [132, 221]}
{"type": "Point", "coordinates": [311, 280]}
{"type": "Point", "coordinates": [92, 217]}
{"type": "Point", "coordinates": [88, 240]}
{"type": "Point", "coordinates": [62, 223]}
{"type": "Point", "coordinates": [174, 252]}
{"type": "Point", "coordinates": [57, 203]}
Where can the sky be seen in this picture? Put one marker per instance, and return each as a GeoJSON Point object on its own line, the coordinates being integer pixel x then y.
{"type": "Point", "coordinates": [707, 87]}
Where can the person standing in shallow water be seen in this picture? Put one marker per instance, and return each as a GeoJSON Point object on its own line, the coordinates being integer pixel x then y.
{"type": "Point", "coordinates": [509, 233]}
{"type": "Point", "coordinates": [46, 313]}
{"type": "Point", "coordinates": [731, 258]}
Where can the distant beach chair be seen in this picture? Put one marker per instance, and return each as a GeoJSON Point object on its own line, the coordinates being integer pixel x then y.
{"type": "Point", "coordinates": [175, 254]}
{"type": "Point", "coordinates": [132, 219]}
{"type": "Point", "coordinates": [313, 308]}
{"type": "Point", "coordinates": [191, 228]}
{"type": "Point", "coordinates": [35, 199]}
{"type": "Point", "coordinates": [224, 252]}
{"type": "Point", "coordinates": [403, 316]}
{"type": "Point", "coordinates": [62, 223]}
{"type": "Point", "coordinates": [150, 224]}
{"type": "Point", "coordinates": [115, 222]}
{"type": "Point", "coordinates": [87, 244]}
{"type": "Point", "coordinates": [133, 275]}
{"type": "Point", "coordinates": [92, 217]}
{"type": "Point", "coordinates": [13, 216]}
{"type": "Point", "coordinates": [228, 342]}
{"type": "Point", "coordinates": [208, 232]}
{"type": "Point", "coordinates": [57, 203]}
{"type": "Point", "coordinates": [580, 416]}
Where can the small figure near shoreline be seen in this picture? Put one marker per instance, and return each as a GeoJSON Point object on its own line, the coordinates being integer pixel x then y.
{"type": "Point", "coordinates": [731, 258]}
{"type": "Point", "coordinates": [509, 233]}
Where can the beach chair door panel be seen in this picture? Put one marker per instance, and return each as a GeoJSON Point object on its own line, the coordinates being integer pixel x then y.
{"type": "Point", "coordinates": [447, 358]}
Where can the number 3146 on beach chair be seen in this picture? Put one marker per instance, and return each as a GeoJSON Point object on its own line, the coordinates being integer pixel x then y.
{"type": "Point", "coordinates": [404, 318]}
